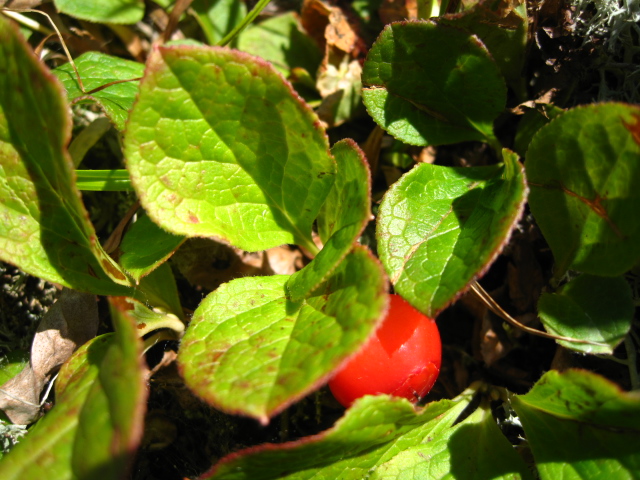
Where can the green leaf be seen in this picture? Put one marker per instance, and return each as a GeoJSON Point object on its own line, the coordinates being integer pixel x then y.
{"type": "Point", "coordinates": [145, 246]}
{"type": "Point", "coordinates": [342, 218]}
{"type": "Point", "coordinates": [103, 180]}
{"type": "Point", "coordinates": [12, 364]}
{"type": "Point", "coordinates": [373, 430]}
{"type": "Point", "coordinates": [474, 448]}
{"type": "Point", "coordinates": [45, 229]}
{"type": "Point", "coordinates": [581, 426]}
{"type": "Point", "coordinates": [502, 26]}
{"type": "Point", "coordinates": [218, 144]}
{"type": "Point", "coordinates": [532, 121]}
{"type": "Point", "coordinates": [250, 350]}
{"type": "Point", "coordinates": [441, 227]}
{"type": "Point", "coordinates": [280, 41]}
{"type": "Point", "coordinates": [146, 320]}
{"type": "Point", "coordinates": [96, 425]}
{"type": "Point", "coordinates": [584, 170]}
{"type": "Point", "coordinates": [96, 70]}
{"type": "Point", "coordinates": [432, 84]}
{"type": "Point", "coordinates": [218, 17]}
{"type": "Point", "coordinates": [381, 437]}
{"type": "Point", "coordinates": [103, 11]}
{"type": "Point", "coordinates": [597, 309]}
{"type": "Point", "coordinates": [159, 289]}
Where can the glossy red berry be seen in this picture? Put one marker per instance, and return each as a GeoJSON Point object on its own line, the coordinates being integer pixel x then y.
{"type": "Point", "coordinates": [402, 358]}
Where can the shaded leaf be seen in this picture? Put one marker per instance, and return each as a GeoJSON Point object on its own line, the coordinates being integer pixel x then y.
{"type": "Point", "coordinates": [159, 289]}
{"type": "Point", "coordinates": [583, 171]}
{"type": "Point", "coordinates": [96, 424]}
{"type": "Point", "coordinates": [280, 41]}
{"type": "Point", "coordinates": [502, 26]}
{"type": "Point", "coordinates": [45, 228]}
{"type": "Point", "coordinates": [341, 221]}
{"type": "Point", "coordinates": [145, 246]}
{"type": "Point", "coordinates": [250, 350]}
{"type": "Point", "coordinates": [97, 69]}
{"type": "Point", "coordinates": [432, 84]}
{"type": "Point", "coordinates": [441, 227]}
{"type": "Point", "coordinates": [598, 309]}
{"type": "Point", "coordinates": [595, 427]}
{"type": "Point", "coordinates": [248, 163]}
{"type": "Point", "coordinates": [218, 17]}
{"type": "Point", "coordinates": [69, 323]}
{"type": "Point", "coordinates": [103, 11]}
{"type": "Point", "coordinates": [145, 319]}
{"type": "Point", "coordinates": [339, 83]}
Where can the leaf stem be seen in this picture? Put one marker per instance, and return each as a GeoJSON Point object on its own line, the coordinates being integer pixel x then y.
{"type": "Point", "coordinates": [498, 310]}
{"type": "Point", "coordinates": [251, 16]}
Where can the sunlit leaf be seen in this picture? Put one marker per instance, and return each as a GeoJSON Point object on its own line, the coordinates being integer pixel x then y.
{"type": "Point", "coordinates": [381, 437]}
{"type": "Point", "coordinates": [96, 70]}
{"type": "Point", "coordinates": [218, 144]}
{"type": "Point", "coordinates": [45, 228]}
{"type": "Point", "coordinates": [342, 218]}
{"type": "Point", "coordinates": [251, 350]}
{"type": "Point", "coordinates": [441, 227]}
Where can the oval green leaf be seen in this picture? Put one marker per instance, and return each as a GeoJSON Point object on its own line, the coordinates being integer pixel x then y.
{"type": "Point", "coordinates": [45, 229]}
{"type": "Point", "coordinates": [250, 350]}
{"type": "Point", "coordinates": [95, 427]}
{"type": "Point", "coordinates": [597, 309]}
{"type": "Point", "coordinates": [441, 227]}
{"type": "Point", "coordinates": [581, 426]}
{"type": "Point", "coordinates": [97, 70]}
{"type": "Point", "coordinates": [584, 170]}
{"type": "Point", "coordinates": [380, 437]}
{"type": "Point", "coordinates": [218, 144]}
{"type": "Point", "coordinates": [432, 84]}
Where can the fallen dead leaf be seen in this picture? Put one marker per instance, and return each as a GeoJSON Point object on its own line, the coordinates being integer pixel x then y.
{"type": "Point", "coordinates": [69, 323]}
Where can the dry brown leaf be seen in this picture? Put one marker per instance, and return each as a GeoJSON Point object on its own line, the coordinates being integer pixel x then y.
{"type": "Point", "coordinates": [329, 26]}
{"type": "Point", "coordinates": [398, 10]}
{"type": "Point", "coordinates": [69, 323]}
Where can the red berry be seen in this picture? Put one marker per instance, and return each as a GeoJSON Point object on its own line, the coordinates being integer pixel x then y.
{"type": "Point", "coordinates": [401, 359]}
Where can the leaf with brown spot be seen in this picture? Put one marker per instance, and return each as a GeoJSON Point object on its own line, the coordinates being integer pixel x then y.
{"type": "Point", "coordinates": [584, 170]}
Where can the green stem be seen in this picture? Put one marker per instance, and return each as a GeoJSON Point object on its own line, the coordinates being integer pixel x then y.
{"type": "Point", "coordinates": [251, 16]}
{"type": "Point", "coordinates": [103, 180]}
